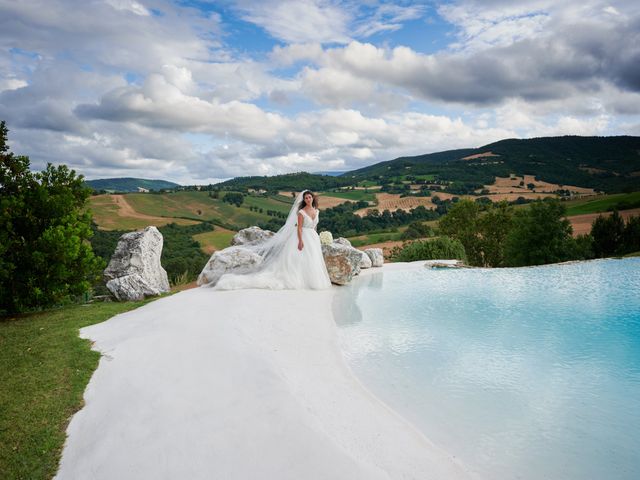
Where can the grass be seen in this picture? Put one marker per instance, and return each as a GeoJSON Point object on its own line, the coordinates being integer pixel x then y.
{"type": "Point", "coordinates": [216, 240]}
{"type": "Point", "coordinates": [269, 203]}
{"type": "Point", "coordinates": [182, 207]}
{"type": "Point", "coordinates": [44, 369]}
{"type": "Point", "coordinates": [353, 195]}
{"type": "Point", "coordinates": [372, 238]}
{"type": "Point", "coordinates": [603, 203]}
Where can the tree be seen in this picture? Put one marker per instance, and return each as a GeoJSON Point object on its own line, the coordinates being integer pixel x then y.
{"type": "Point", "coordinates": [540, 234]}
{"type": "Point", "coordinates": [494, 227]}
{"type": "Point", "coordinates": [607, 233]}
{"type": "Point", "coordinates": [461, 223]}
{"type": "Point", "coordinates": [45, 255]}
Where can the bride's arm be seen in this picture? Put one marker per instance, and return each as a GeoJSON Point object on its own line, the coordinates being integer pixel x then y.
{"type": "Point", "coordinates": [300, 221]}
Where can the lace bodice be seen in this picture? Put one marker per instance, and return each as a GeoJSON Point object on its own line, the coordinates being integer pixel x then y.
{"type": "Point", "coordinates": [309, 222]}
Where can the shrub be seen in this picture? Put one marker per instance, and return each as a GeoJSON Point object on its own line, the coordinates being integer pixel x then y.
{"type": "Point", "coordinates": [439, 248]}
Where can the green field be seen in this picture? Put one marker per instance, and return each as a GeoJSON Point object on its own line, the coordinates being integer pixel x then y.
{"type": "Point", "coordinates": [279, 203]}
{"type": "Point", "coordinates": [104, 211]}
{"type": "Point", "coordinates": [603, 203]}
{"type": "Point", "coordinates": [44, 369]}
{"type": "Point", "coordinates": [217, 240]}
{"type": "Point", "coordinates": [352, 195]}
{"type": "Point", "coordinates": [194, 205]}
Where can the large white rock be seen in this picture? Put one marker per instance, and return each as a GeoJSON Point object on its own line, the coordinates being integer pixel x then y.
{"type": "Point", "coordinates": [232, 259]}
{"type": "Point", "coordinates": [376, 256]}
{"type": "Point", "coordinates": [343, 262]}
{"type": "Point", "coordinates": [251, 236]}
{"type": "Point", "coordinates": [365, 261]}
{"type": "Point", "coordinates": [342, 241]}
{"type": "Point", "coordinates": [134, 270]}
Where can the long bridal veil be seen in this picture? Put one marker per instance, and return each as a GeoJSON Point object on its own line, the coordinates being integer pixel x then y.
{"type": "Point", "coordinates": [271, 249]}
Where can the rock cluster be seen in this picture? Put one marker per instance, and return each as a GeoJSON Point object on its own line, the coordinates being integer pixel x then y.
{"type": "Point", "coordinates": [134, 270]}
{"type": "Point", "coordinates": [343, 261]}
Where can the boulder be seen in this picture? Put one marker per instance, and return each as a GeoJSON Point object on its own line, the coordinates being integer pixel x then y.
{"type": "Point", "coordinates": [365, 261]}
{"type": "Point", "coordinates": [376, 256]}
{"type": "Point", "coordinates": [251, 236]}
{"type": "Point", "coordinates": [232, 259]}
{"type": "Point", "coordinates": [342, 262]}
{"type": "Point", "coordinates": [134, 270]}
{"type": "Point", "coordinates": [342, 241]}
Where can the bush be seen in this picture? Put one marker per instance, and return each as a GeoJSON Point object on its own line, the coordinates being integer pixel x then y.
{"type": "Point", "coordinates": [416, 230]}
{"type": "Point", "coordinates": [539, 235]}
{"type": "Point", "coordinates": [439, 248]}
{"type": "Point", "coordinates": [45, 256]}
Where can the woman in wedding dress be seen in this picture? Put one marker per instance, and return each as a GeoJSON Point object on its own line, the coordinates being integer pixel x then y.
{"type": "Point", "coordinates": [292, 258]}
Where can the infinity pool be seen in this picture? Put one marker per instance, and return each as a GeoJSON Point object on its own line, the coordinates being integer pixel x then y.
{"type": "Point", "coordinates": [529, 373]}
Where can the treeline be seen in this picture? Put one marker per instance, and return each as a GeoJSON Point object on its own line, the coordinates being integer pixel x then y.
{"type": "Point", "coordinates": [497, 235]}
{"type": "Point", "coordinates": [291, 181]}
{"type": "Point", "coordinates": [342, 221]}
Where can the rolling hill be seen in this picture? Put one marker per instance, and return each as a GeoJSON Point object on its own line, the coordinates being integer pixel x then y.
{"type": "Point", "coordinates": [126, 185]}
{"type": "Point", "coordinates": [609, 164]}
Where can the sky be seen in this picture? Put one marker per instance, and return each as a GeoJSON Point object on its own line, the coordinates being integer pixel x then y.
{"type": "Point", "coordinates": [195, 91]}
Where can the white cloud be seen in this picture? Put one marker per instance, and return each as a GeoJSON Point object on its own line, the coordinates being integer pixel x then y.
{"type": "Point", "coordinates": [298, 21]}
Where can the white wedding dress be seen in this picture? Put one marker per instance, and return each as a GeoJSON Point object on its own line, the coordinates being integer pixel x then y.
{"type": "Point", "coordinates": [286, 267]}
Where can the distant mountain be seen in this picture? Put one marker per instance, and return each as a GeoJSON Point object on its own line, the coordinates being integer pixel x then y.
{"type": "Point", "coordinates": [331, 174]}
{"type": "Point", "coordinates": [129, 184]}
{"type": "Point", "coordinates": [610, 164]}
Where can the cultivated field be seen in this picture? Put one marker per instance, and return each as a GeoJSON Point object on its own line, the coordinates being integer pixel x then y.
{"type": "Point", "coordinates": [512, 185]}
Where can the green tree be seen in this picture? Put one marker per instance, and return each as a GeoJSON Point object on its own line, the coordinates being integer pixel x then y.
{"type": "Point", "coordinates": [540, 234]}
{"type": "Point", "coordinates": [461, 223]}
{"type": "Point", "coordinates": [45, 255]}
{"type": "Point", "coordinates": [607, 233]}
{"type": "Point", "coordinates": [494, 227]}
{"type": "Point", "coordinates": [439, 248]}
{"type": "Point", "coordinates": [631, 237]}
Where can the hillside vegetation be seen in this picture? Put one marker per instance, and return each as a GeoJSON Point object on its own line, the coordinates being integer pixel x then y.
{"type": "Point", "coordinates": [608, 164]}
{"type": "Point", "coordinates": [128, 184]}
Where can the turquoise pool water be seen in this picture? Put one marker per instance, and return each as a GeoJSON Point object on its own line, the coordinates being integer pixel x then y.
{"type": "Point", "coordinates": [530, 373]}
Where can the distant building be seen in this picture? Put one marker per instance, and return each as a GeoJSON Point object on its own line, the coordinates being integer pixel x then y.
{"type": "Point", "coordinates": [143, 190]}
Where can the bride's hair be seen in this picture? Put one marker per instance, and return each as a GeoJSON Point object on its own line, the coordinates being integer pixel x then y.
{"type": "Point", "coordinates": [314, 203]}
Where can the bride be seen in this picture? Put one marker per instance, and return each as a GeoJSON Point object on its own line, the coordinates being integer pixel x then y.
{"type": "Point", "coordinates": [292, 258]}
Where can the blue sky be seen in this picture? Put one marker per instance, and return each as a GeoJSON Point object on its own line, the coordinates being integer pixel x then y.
{"type": "Point", "coordinates": [197, 91]}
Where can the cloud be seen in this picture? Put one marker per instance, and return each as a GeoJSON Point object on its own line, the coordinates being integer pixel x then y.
{"type": "Point", "coordinates": [153, 88]}
{"type": "Point", "coordinates": [298, 21]}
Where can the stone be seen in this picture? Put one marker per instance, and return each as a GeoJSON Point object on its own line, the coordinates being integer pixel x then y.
{"type": "Point", "coordinates": [342, 241]}
{"type": "Point", "coordinates": [444, 264]}
{"type": "Point", "coordinates": [365, 261]}
{"type": "Point", "coordinates": [376, 256]}
{"type": "Point", "coordinates": [134, 270]}
{"type": "Point", "coordinates": [231, 259]}
{"type": "Point", "coordinates": [251, 236]}
{"type": "Point", "coordinates": [343, 262]}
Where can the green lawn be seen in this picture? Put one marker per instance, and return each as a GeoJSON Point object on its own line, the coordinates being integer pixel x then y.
{"type": "Point", "coordinates": [603, 203]}
{"type": "Point", "coordinates": [44, 369]}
